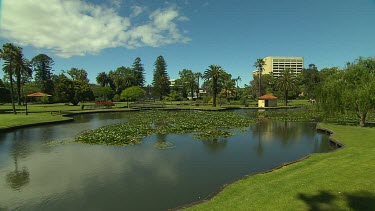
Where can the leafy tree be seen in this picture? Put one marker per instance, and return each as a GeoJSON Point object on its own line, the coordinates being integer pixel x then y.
{"type": "Point", "coordinates": [43, 72]}
{"type": "Point", "coordinates": [132, 93]}
{"type": "Point", "coordinates": [9, 53]}
{"type": "Point", "coordinates": [309, 80]}
{"type": "Point", "coordinates": [187, 79]}
{"type": "Point", "coordinates": [286, 82]}
{"type": "Point", "coordinates": [161, 79]}
{"type": "Point", "coordinates": [214, 72]}
{"type": "Point", "coordinates": [64, 89]}
{"type": "Point", "coordinates": [4, 93]}
{"type": "Point", "coordinates": [350, 90]}
{"type": "Point", "coordinates": [82, 92]}
{"type": "Point", "coordinates": [139, 75]}
{"type": "Point", "coordinates": [103, 93]}
{"type": "Point", "coordinates": [122, 78]}
{"type": "Point", "coordinates": [78, 74]}
{"type": "Point", "coordinates": [268, 84]}
{"type": "Point", "coordinates": [229, 87]}
{"type": "Point", "coordinates": [259, 64]}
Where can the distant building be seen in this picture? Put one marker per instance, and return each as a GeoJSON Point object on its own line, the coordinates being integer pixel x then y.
{"type": "Point", "coordinates": [277, 64]}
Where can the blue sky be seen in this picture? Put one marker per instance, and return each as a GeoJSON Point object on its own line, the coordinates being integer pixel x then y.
{"type": "Point", "coordinates": [101, 35]}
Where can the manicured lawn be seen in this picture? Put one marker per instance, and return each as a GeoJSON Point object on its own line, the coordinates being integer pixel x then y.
{"type": "Point", "coordinates": [9, 120]}
{"type": "Point", "coordinates": [341, 180]}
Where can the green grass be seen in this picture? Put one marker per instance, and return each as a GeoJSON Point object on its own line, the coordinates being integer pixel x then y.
{"type": "Point", "coordinates": [10, 120]}
{"type": "Point", "coordinates": [340, 180]}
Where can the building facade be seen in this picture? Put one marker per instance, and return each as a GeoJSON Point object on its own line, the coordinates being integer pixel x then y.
{"type": "Point", "coordinates": [277, 64]}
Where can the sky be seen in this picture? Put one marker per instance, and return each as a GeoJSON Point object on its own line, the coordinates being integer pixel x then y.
{"type": "Point", "coordinates": [102, 35]}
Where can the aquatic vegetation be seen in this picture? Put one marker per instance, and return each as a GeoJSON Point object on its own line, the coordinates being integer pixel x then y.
{"type": "Point", "coordinates": [143, 124]}
{"type": "Point", "coordinates": [164, 145]}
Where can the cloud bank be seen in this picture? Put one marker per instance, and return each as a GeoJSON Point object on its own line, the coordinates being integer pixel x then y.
{"type": "Point", "coordinates": [74, 27]}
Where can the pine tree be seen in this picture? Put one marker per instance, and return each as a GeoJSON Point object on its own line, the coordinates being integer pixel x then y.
{"type": "Point", "coordinates": [43, 72]}
{"type": "Point", "coordinates": [139, 72]}
{"type": "Point", "coordinates": [161, 79]}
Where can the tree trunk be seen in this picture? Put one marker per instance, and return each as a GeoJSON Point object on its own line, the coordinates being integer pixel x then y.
{"type": "Point", "coordinates": [286, 98]}
{"type": "Point", "coordinates": [192, 92]}
{"type": "Point", "coordinates": [362, 121]}
{"type": "Point", "coordinates": [214, 92]}
{"type": "Point", "coordinates": [11, 87]}
{"type": "Point", "coordinates": [18, 76]}
{"type": "Point", "coordinates": [198, 89]}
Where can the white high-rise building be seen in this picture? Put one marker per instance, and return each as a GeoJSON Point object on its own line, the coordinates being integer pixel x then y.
{"type": "Point", "coordinates": [277, 64]}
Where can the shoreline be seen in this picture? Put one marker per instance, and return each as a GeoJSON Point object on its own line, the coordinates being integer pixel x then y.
{"type": "Point", "coordinates": [339, 145]}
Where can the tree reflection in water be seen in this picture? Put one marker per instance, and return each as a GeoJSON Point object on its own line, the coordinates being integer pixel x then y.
{"type": "Point", "coordinates": [19, 177]}
{"type": "Point", "coordinates": [215, 145]}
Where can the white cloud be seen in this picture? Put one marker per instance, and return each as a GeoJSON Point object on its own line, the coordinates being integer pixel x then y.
{"type": "Point", "coordinates": [137, 10]}
{"type": "Point", "coordinates": [74, 27]}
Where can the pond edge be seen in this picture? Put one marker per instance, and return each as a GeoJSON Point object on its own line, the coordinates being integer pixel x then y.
{"type": "Point", "coordinates": [334, 142]}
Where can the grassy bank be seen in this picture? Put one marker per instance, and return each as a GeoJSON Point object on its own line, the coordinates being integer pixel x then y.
{"type": "Point", "coordinates": [11, 120]}
{"type": "Point", "coordinates": [341, 180]}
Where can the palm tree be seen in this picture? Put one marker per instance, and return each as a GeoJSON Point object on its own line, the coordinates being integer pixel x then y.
{"type": "Point", "coordinates": [198, 75]}
{"type": "Point", "coordinates": [214, 72]}
{"type": "Point", "coordinates": [102, 79]}
{"type": "Point", "coordinates": [260, 63]}
{"type": "Point", "coordinates": [8, 53]}
{"type": "Point", "coordinates": [286, 82]}
{"type": "Point", "coordinates": [22, 68]}
{"type": "Point", "coordinates": [237, 79]}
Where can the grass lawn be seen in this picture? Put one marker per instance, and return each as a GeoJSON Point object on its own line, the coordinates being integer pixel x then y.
{"type": "Point", "coordinates": [9, 120]}
{"type": "Point", "coordinates": [341, 180]}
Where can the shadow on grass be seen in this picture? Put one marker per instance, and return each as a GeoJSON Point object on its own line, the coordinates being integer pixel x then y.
{"type": "Point", "coordinates": [324, 200]}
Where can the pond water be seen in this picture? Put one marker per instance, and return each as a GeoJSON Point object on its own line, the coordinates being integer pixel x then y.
{"type": "Point", "coordinates": [36, 175]}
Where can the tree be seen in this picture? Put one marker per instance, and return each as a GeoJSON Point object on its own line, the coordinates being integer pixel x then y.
{"type": "Point", "coordinates": [4, 93]}
{"type": "Point", "coordinates": [214, 72]}
{"type": "Point", "coordinates": [237, 88]}
{"type": "Point", "coordinates": [350, 90]}
{"type": "Point", "coordinates": [259, 64]}
{"type": "Point", "coordinates": [132, 93]}
{"type": "Point", "coordinates": [8, 54]}
{"type": "Point", "coordinates": [102, 79]}
{"type": "Point", "coordinates": [64, 89]}
{"type": "Point", "coordinates": [309, 79]}
{"type": "Point", "coordinates": [286, 83]}
{"type": "Point", "coordinates": [43, 72]}
{"type": "Point", "coordinates": [198, 75]}
{"type": "Point", "coordinates": [161, 79]}
{"type": "Point", "coordinates": [122, 78]}
{"type": "Point", "coordinates": [23, 71]}
{"type": "Point", "coordinates": [187, 78]}
{"type": "Point", "coordinates": [139, 72]}
{"type": "Point", "coordinates": [78, 74]}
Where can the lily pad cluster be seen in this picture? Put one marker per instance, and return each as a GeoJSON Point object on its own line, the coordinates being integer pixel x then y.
{"type": "Point", "coordinates": [208, 124]}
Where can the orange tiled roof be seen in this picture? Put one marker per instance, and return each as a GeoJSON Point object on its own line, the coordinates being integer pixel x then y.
{"type": "Point", "coordinates": [267, 97]}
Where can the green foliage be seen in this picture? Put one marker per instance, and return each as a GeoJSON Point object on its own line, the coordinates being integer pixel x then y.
{"type": "Point", "coordinates": [78, 74]}
{"type": "Point", "coordinates": [103, 79]}
{"type": "Point", "coordinates": [139, 74]}
{"type": "Point", "coordinates": [43, 72]}
{"type": "Point", "coordinates": [143, 124]}
{"type": "Point", "coordinates": [215, 73]}
{"type": "Point", "coordinates": [286, 82]}
{"type": "Point", "coordinates": [350, 90]}
{"type": "Point", "coordinates": [161, 79]}
{"type": "Point", "coordinates": [132, 93]}
{"type": "Point", "coordinates": [187, 81]}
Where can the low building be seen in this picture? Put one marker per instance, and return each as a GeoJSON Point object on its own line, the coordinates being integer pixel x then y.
{"type": "Point", "coordinates": [267, 100]}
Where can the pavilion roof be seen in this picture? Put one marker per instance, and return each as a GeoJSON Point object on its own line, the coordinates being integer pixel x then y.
{"type": "Point", "coordinates": [267, 97]}
{"type": "Point", "coordinates": [38, 94]}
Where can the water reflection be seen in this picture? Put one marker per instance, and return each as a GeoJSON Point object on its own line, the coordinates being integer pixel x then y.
{"type": "Point", "coordinates": [215, 145]}
{"type": "Point", "coordinates": [37, 176]}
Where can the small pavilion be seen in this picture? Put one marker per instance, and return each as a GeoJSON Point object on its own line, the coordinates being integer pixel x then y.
{"type": "Point", "coordinates": [36, 94]}
{"type": "Point", "coordinates": [267, 100]}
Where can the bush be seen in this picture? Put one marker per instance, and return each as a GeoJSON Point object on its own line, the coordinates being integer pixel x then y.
{"type": "Point", "coordinates": [116, 98]}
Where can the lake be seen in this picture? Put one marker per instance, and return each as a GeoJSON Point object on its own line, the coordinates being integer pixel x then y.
{"type": "Point", "coordinates": [37, 172]}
